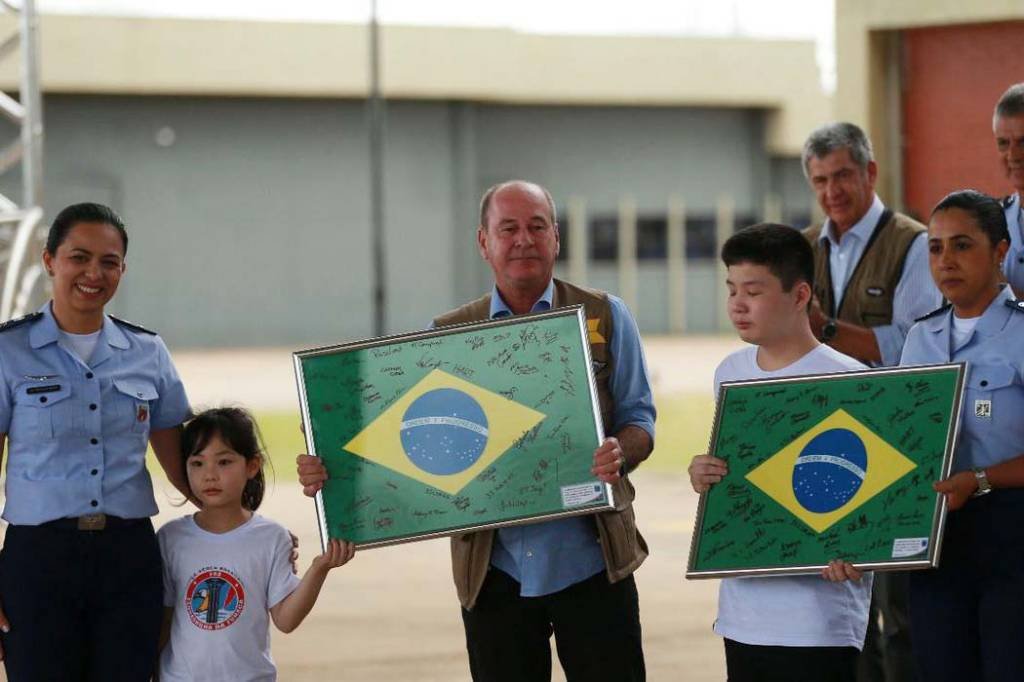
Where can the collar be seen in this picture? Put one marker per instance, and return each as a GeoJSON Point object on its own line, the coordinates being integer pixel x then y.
{"type": "Point", "coordinates": [46, 331]}
{"type": "Point", "coordinates": [861, 230]}
{"type": "Point", "coordinates": [1012, 208]}
{"type": "Point", "coordinates": [500, 309]}
{"type": "Point", "coordinates": [992, 321]}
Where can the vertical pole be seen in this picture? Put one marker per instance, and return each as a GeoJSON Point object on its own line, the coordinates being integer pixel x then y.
{"type": "Point", "coordinates": [579, 244]}
{"type": "Point", "coordinates": [376, 125]}
{"type": "Point", "coordinates": [772, 209]}
{"type": "Point", "coordinates": [627, 251]}
{"type": "Point", "coordinates": [725, 216]}
{"type": "Point", "coordinates": [676, 264]}
{"type": "Point", "coordinates": [32, 101]}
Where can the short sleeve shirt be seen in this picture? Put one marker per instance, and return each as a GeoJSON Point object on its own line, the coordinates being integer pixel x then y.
{"type": "Point", "coordinates": [221, 587]}
{"type": "Point", "coordinates": [804, 610]}
{"type": "Point", "coordinates": [77, 432]}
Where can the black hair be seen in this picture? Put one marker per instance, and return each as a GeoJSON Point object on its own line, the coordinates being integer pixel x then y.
{"type": "Point", "coordinates": [87, 212]}
{"type": "Point", "coordinates": [782, 249]}
{"type": "Point", "coordinates": [986, 211]}
{"type": "Point", "coordinates": [237, 428]}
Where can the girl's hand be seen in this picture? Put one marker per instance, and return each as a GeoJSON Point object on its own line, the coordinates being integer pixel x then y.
{"type": "Point", "coordinates": [705, 471]}
{"type": "Point", "coordinates": [339, 553]}
{"type": "Point", "coordinates": [839, 571]}
{"type": "Point", "coordinates": [958, 488]}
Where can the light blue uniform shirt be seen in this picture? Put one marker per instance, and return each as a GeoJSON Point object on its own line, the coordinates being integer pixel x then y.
{"type": "Point", "coordinates": [992, 420]}
{"type": "Point", "coordinates": [1013, 266]}
{"type": "Point", "coordinates": [916, 294]}
{"type": "Point", "coordinates": [77, 432]}
{"type": "Point", "coordinates": [549, 556]}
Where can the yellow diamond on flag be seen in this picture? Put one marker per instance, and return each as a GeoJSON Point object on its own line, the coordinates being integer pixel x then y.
{"type": "Point", "coordinates": [444, 431]}
{"type": "Point", "coordinates": [830, 470]}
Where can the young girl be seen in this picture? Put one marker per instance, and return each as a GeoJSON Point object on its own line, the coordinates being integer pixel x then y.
{"type": "Point", "coordinates": [226, 567]}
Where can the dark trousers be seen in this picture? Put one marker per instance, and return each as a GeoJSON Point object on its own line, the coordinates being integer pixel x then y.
{"type": "Point", "coordinates": [755, 663]}
{"type": "Point", "coordinates": [968, 614]}
{"type": "Point", "coordinates": [83, 605]}
{"type": "Point", "coordinates": [888, 655]}
{"type": "Point", "coordinates": [596, 626]}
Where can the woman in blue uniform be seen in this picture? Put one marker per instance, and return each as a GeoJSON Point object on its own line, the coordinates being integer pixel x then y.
{"type": "Point", "coordinates": [968, 615]}
{"type": "Point", "coordinates": [81, 394]}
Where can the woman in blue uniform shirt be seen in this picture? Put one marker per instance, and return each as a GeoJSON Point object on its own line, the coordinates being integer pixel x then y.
{"type": "Point", "coordinates": [81, 394]}
{"type": "Point", "coordinates": [968, 615]}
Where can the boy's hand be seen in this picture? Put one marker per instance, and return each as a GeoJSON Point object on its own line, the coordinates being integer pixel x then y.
{"type": "Point", "coordinates": [312, 474]}
{"type": "Point", "coordinates": [958, 488]}
{"type": "Point", "coordinates": [839, 571]}
{"type": "Point", "coordinates": [705, 471]}
{"type": "Point", "coordinates": [339, 553]}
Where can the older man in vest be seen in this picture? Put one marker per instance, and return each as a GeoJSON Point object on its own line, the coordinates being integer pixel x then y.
{"type": "Point", "coordinates": [569, 577]}
{"type": "Point", "coordinates": [871, 281]}
{"type": "Point", "coordinates": [1008, 126]}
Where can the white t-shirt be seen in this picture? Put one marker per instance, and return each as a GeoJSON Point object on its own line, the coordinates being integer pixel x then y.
{"type": "Point", "coordinates": [81, 345]}
{"type": "Point", "coordinates": [221, 587]}
{"type": "Point", "coordinates": [962, 328]}
{"type": "Point", "coordinates": [802, 610]}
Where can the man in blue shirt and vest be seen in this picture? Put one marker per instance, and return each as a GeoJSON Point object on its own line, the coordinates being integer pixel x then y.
{"type": "Point", "coordinates": [1008, 127]}
{"type": "Point", "coordinates": [569, 577]}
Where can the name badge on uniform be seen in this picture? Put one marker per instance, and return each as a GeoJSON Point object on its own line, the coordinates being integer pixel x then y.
{"type": "Point", "coordinates": [983, 409]}
{"type": "Point", "coordinates": [142, 414]}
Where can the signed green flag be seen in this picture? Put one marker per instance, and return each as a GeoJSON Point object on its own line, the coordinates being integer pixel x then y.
{"type": "Point", "coordinates": [826, 467]}
{"type": "Point", "coordinates": [454, 429]}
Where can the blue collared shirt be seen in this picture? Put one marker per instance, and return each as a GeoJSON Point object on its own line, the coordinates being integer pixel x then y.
{"type": "Point", "coordinates": [916, 294]}
{"type": "Point", "coordinates": [549, 556]}
{"type": "Point", "coordinates": [1013, 266]}
{"type": "Point", "coordinates": [77, 432]}
{"type": "Point", "coordinates": [991, 427]}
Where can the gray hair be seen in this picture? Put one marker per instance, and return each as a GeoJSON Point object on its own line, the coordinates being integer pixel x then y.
{"type": "Point", "coordinates": [485, 201]}
{"type": "Point", "coordinates": [1010, 104]}
{"type": "Point", "coordinates": [834, 136]}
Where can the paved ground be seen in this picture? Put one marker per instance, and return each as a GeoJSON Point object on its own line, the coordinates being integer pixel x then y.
{"type": "Point", "coordinates": [392, 615]}
{"type": "Point", "coordinates": [264, 379]}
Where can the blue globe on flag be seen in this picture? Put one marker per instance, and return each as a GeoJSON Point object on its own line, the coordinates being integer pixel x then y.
{"type": "Point", "coordinates": [444, 431]}
{"type": "Point", "coordinates": [830, 470]}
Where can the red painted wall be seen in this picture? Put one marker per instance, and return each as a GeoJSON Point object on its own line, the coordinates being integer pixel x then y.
{"type": "Point", "coordinates": [952, 77]}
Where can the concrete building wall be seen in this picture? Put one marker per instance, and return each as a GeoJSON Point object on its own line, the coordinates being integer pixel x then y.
{"type": "Point", "coordinates": [249, 217]}
{"type": "Point", "coordinates": [870, 68]}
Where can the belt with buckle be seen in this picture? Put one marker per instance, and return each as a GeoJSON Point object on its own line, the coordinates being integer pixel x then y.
{"type": "Point", "coordinates": [92, 522]}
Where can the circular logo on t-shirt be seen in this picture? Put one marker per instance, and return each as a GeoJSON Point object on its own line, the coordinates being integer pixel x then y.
{"type": "Point", "coordinates": [214, 599]}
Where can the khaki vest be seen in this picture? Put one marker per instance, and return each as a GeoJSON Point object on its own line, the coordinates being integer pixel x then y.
{"type": "Point", "coordinates": [623, 547]}
{"type": "Point", "coordinates": [867, 299]}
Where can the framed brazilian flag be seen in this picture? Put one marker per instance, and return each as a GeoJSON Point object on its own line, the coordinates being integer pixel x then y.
{"type": "Point", "coordinates": [454, 429]}
{"type": "Point", "coordinates": [831, 466]}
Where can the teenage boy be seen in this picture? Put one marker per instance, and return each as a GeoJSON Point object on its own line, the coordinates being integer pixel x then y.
{"type": "Point", "coordinates": [792, 628]}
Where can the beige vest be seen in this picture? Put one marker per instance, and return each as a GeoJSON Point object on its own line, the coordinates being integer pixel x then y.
{"type": "Point", "coordinates": [867, 299]}
{"type": "Point", "coordinates": [623, 547]}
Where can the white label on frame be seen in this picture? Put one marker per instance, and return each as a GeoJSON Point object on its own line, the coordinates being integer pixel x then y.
{"type": "Point", "coordinates": [904, 547]}
{"type": "Point", "coordinates": [581, 493]}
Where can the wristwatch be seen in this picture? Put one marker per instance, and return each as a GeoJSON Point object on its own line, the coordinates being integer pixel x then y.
{"type": "Point", "coordinates": [828, 331]}
{"type": "Point", "coordinates": [984, 487]}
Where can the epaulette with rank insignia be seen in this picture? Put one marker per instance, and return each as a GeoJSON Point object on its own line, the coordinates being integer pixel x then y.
{"type": "Point", "coordinates": [934, 313]}
{"type": "Point", "coordinates": [1016, 305]}
{"type": "Point", "coordinates": [17, 322]}
{"type": "Point", "coordinates": [131, 325]}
